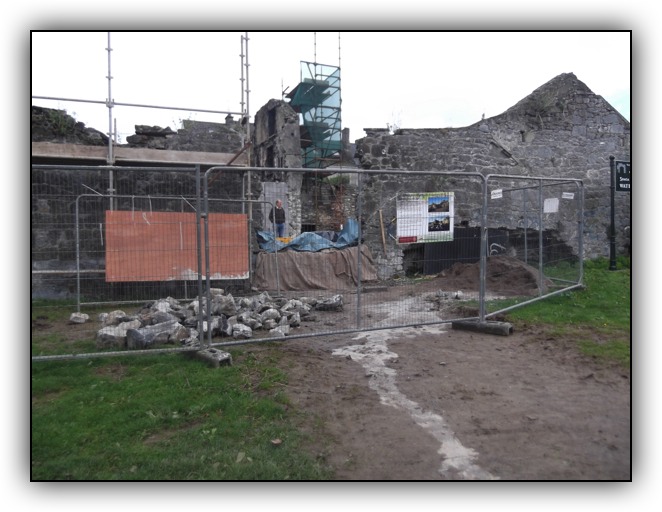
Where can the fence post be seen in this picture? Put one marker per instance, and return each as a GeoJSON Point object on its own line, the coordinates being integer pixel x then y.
{"type": "Point", "coordinates": [359, 213]}
{"type": "Point", "coordinates": [483, 255]}
{"type": "Point", "coordinates": [205, 216]}
{"type": "Point", "coordinates": [540, 238]}
{"type": "Point", "coordinates": [77, 258]}
{"type": "Point", "coordinates": [198, 215]}
{"type": "Point", "coordinates": [612, 227]}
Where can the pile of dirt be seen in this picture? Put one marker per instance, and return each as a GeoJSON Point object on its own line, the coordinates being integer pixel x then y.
{"type": "Point", "coordinates": [503, 275]}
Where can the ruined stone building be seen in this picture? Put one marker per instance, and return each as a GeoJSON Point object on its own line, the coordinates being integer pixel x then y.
{"type": "Point", "coordinates": [562, 130]}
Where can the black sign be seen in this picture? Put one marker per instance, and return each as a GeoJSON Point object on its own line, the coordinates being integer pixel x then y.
{"type": "Point", "coordinates": [623, 176]}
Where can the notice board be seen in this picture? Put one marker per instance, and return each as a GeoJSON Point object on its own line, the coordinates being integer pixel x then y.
{"type": "Point", "coordinates": [425, 217]}
{"type": "Point", "coordinates": [162, 246]}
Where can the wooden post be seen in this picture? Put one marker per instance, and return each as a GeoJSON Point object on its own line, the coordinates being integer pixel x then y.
{"type": "Point", "coordinates": [381, 223]}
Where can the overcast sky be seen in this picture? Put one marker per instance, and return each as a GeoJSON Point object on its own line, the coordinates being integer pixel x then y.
{"type": "Point", "coordinates": [409, 79]}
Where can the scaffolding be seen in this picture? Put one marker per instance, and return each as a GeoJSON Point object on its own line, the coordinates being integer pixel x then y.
{"type": "Point", "coordinates": [317, 100]}
{"type": "Point", "coordinates": [110, 103]}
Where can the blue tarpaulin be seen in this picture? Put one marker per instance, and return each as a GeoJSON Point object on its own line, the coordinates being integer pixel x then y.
{"type": "Point", "coordinates": [311, 242]}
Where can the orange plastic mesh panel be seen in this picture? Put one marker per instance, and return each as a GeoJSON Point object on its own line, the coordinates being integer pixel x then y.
{"type": "Point", "coordinates": [161, 246]}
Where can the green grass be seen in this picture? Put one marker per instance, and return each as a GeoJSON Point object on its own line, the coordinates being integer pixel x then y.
{"type": "Point", "coordinates": [597, 316]}
{"type": "Point", "coordinates": [165, 417]}
{"type": "Point", "coordinates": [48, 341]}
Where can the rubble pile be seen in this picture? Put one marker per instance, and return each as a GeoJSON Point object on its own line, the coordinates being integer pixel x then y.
{"type": "Point", "coordinates": [169, 321]}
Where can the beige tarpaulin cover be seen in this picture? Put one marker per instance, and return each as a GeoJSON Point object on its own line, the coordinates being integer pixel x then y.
{"type": "Point", "coordinates": [332, 269]}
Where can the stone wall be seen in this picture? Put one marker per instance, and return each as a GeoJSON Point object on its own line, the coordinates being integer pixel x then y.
{"type": "Point", "coordinates": [53, 125]}
{"type": "Point", "coordinates": [192, 136]}
{"type": "Point", "coordinates": [276, 143]}
{"type": "Point", "coordinates": [561, 130]}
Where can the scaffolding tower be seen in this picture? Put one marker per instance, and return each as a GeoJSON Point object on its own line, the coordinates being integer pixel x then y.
{"type": "Point", "coordinates": [317, 99]}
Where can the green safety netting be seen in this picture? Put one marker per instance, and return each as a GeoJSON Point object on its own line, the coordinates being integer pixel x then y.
{"type": "Point", "coordinates": [317, 99]}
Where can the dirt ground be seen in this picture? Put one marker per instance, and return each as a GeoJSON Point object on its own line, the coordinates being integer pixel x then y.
{"type": "Point", "coordinates": [444, 404]}
{"type": "Point", "coordinates": [436, 403]}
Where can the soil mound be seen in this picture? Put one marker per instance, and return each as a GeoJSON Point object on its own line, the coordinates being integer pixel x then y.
{"type": "Point", "coordinates": [504, 275]}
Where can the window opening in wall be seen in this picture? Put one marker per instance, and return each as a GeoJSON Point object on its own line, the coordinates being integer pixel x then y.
{"type": "Point", "coordinates": [271, 120]}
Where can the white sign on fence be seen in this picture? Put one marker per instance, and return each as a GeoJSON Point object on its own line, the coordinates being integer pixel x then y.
{"type": "Point", "coordinates": [425, 217]}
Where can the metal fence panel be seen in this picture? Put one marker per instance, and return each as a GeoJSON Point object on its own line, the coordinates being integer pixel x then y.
{"type": "Point", "coordinates": [534, 228]}
{"type": "Point", "coordinates": [362, 250]}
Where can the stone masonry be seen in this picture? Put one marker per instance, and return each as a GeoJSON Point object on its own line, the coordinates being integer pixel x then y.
{"type": "Point", "coordinates": [561, 130]}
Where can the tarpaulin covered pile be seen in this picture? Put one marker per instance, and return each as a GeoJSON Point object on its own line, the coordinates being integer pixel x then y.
{"type": "Point", "coordinates": [313, 262]}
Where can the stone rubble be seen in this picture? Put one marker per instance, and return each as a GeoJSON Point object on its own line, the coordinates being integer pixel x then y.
{"type": "Point", "coordinates": [171, 322]}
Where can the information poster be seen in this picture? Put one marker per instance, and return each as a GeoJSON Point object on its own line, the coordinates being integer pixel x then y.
{"type": "Point", "coordinates": [425, 217]}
